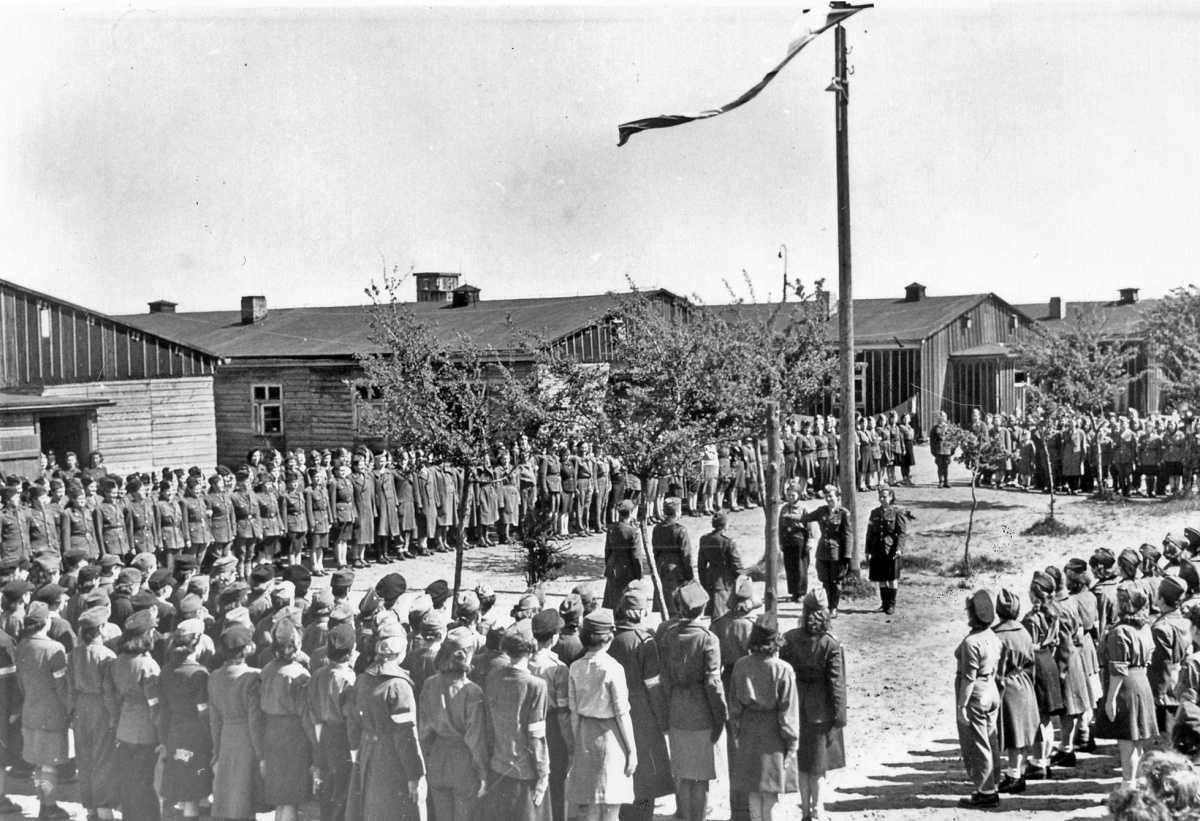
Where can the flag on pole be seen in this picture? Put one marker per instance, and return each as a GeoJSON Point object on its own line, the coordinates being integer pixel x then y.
{"type": "Point", "coordinates": [837, 13]}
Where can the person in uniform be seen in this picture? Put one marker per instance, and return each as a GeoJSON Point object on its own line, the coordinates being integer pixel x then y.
{"type": "Point", "coordinates": [793, 542]}
{"type": "Point", "coordinates": [220, 520]}
{"type": "Point", "coordinates": [604, 758]}
{"type": "Point", "coordinates": [764, 723]}
{"type": "Point", "coordinates": [195, 524]}
{"type": "Point", "coordinates": [247, 524]}
{"type": "Point", "coordinates": [92, 723]}
{"type": "Point", "coordinates": [364, 511]}
{"type": "Point", "coordinates": [139, 515]}
{"type": "Point", "coordinates": [114, 529]}
{"type": "Point", "coordinates": [833, 547]}
{"type": "Point", "coordinates": [167, 524]}
{"type": "Point", "coordinates": [183, 727]}
{"type": "Point", "coordinates": [285, 743]}
{"type": "Point", "coordinates": [941, 447]}
{"type": "Point", "coordinates": [1018, 720]}
{"type": "Point", "coordinates": [131, 691]}
{"type": "Point", "coordinates": [41, 666]}
{"type": "Point", "coordinates": [388, 766]}
{"type": "Point", "coordinates": [672, 548]}
{"type": "Point", "coordinates": [718, 563]}
{"type": "Point", "coordinates": [343, 514]}
{"type": "Point", "coordinates": [622, 555]}
{"type": "Point", "coordinates": [569, 648]}
{"type": "Point", "coordinates": [79, 524]}
{"type": "Point", "coordinates": [733, 629]}
{"type": "Point", "coordinates": [547, 666]}
{"type": "Point", "coordinates": [1128, 697]}
{"type": "Point", "coordinates": [270, 517]}
{"type": "Point", "coordinates": [45, 525]}
{"type": "Point", "coordinates": [818, 660]}
{"type": "Point", "coordinates": [887, 533]}
{"type": "Point", "coordinates": [331, 699]}
{"type": "Point", "coordinates": [1172, 643]}
{"type": "Point", "coordinates": [316, 507]}
{"type": "Point", "coordinates": [235, 718]}
{"type": "Point", "coordinates": [452, 725]}
{"type": "Point", "coordinates": [690, 675]}
{"type": "Point", "coordinates": [977, 701]}
{"type": "Point", "coordinates": [519, 769]}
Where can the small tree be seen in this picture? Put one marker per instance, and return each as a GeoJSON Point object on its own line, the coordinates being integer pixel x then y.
{"type": "Point", "coordinates": [1172, 327]}
{"type": "Point", "coordinates": [1081, 368]}
{"type": "Point", "coordinates": [979, 456]}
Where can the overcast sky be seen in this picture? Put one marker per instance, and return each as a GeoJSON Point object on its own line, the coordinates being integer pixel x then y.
{"type": "Point", "coordinates": [1027, 149]}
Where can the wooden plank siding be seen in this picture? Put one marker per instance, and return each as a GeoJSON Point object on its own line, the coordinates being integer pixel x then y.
{"type": "Point", "coordinates": [47, 342]}
{"type": "Point", "coordinates": [153, 423]}
{"type": "Point", "coordinates": [891, 379]}
{"type": "Point", "coordinates": [19, 444]}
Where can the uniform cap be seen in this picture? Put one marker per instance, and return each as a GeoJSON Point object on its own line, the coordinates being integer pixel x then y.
{"type": "Point", "coordinates": [743, 589]}
{"type": "Point", "coordinates": [635, 596]}
{"type": "Point", "coordinates": [38, 612]}
{"type": "Point", "coordinates": [485, 593]}
{"type": "Point", "coordinates": [161, 578]}
{"type": "Point", "coordinates": [97, 597]}
{"type": "Point", "coordinates": [1171, 589]}
{"type": "Point", "coordinates": [284, 591]}
{"type": "Point", "coordinates": [284, 630]}
{"type": "Point", "coordinates": [1150, 552]}
{"type": "Point", "coordinates": [185, 562]}
{"type": "Point", "coordinates": [518, 639]}
{"type": "Point", "coordinates": [1076, 566]}
{"type": "Point", "coordinates": [625, 506]}
{"type": "Point", "coordinates": [87, 573]}
{"type": "Point", "coordinates": [546, 624]}
{"type": "Point", "coordinates": [342, 579]}
{"type": "Point", "coordinates": [439, 591]}
{"type": "Point", "coordinates": [340, 638]}
{"type": "Point", "coordinates": [130, 577]}
{"type": "Point", "coordinates": [1193, 537]}
{"type": "Point", "coordinates": [1008, 606]}
{"type": "Point", "coordinates": [1187, 572]}
{"type": "Point", "coordinates": [49, 564]}
{"type": "Point", "coordinates": [262, 574]}
{"type": "Point", "coordinates": [144, 562]}
{"type": "Point", "coordinates": [418, 607]}
{"type": "Point", "coordinates": [390, 646]}
{"type": "Point", "coordinates": [235, 637]}
{"type": "Point", "coordinates": [341, 612]}
{"type": "Point", "coordinates": [692, 596]}
{"type": "Point", "coordinates": [109, 560]}
{"type": "Point", "coordinates": [529, 602]}
{"type": "Point", "coordinates": [143, 600]}
{"type": "Point", "coordinates": [16, 589]}
{"type": "Point", "coordinates": [298, 574]}
{"type": "Point", "coordinates": [93, 617]}
{"type": "Point", "coordinates": [1103, 557]}
{"type": "Point", "coordinates": [391, 586]}
{"type": "Point", "coordinates": [1043, 583]}
{"type": "Point", "coordinates": [140, 621]}
{"type": "Point", "coordinates": [1129, 559]}
{"type": "Point", "coordinates": [598, 622]}
{"type": "Point", "coordinates": [766, 628]}
{"type": "Point", "coordinates": [468, 603]}
{"type": "Point", "coordinates": [1131, 597]}
{"type": "Point", "coordinates": [190, 605]}
{"type": "Point", "coordinates": [460, 640]}
{"type": "Point", "coordinates": [571, 609]}
{"type": "Point", "coordinates": [321, 604]}
{"type": "Point", "coordinates": [982, 607]}
{"type": "Point", "coordinates": [50, 593]}
{"type": "Point", "coordinates": [238, 615]}
{"type": "Point", "coordinates": [188, 628]}
{"type": "Point", "coordinates": [224, 563]}
{"type": "Point", "coordinates": [815, 600]}
{"type": "Point", "coordinates": [388, 628]}
{"type": "Point", "coordinates": [432, 622]}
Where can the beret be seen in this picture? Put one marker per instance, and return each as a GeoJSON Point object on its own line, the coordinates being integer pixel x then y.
{"type": "Point", "coordinates": [16, 588]}
{"type": "Point", "coordinates": [1075, 565]}
{"type": "Point", "coordinates": [468, 603]}
{"type": "Point", "coordinates": [109, 560]}
{"type": "Point", "coordinates": [93, 617]}
{"type": "Point", "coordinates": [144, 562]}
{"type": "Point", "coordinates": [518, 639]}
{"type": "Point", "coordinates": [816, 599]}
{"type": "Point", "coordinates": [143, 600]}
{"type": "Point", "coordinates": [96, 598]}
{"type": "Point", "coordinates": [130, 576]}
{"type": "Point", "coordinates": [1008, 606]}
{"type": "Point", "coordinates": [1103, 557]}
{"type": "Point", "coordinates": [50, 593]}
{"type": "Point", "coordinates": [140, 621]}
{"type": "Point", "coordinates": [189, 627]}
{"type": "Point", "coordinates": [439, 591]}
{"type": "Point", "coordinates": [38, 611]}
{"type": "Point", "coordinates": [766, 627]}
{"type": "Point", "coordinates": [161, 578]}
{"type": "Point", "coordinates": [692, 596]}
{"type": "Point", "coordinates": [297, 573]}
{"type": "Point", "coordinates": [546, 623]}
{"type": "Point", "coordinates": [262, 574]}
{"type": "Point", "coordinates": [238, 615]}
{"type": "Point", "coordinates": [340, 638]}
{"type": "Point", "coordinates": [599, 620]}
{"type": "Point", "coordinates": [87, 573]}
{"type": "Point", "coordinates": [460, 640]}
{"type": "Point", "coordinates": [571, 609]}
{"type": "Point", "coordinates": [236, 636]}
{"type": "Point", "coordinates": [190, 605]}
{"type": "Point", "coordinates": [391, 586]}
{"type": "Point", "coordinates": [981, 605]}
{"type": "Point", "coordinates": [185, 562]}
{"type": "Point", "coordinates": [1171, 589]}
{"type": "Point", "coordinates": [342, 579]}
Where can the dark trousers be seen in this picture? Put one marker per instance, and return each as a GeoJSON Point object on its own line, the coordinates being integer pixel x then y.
{"type": "Point", "coordinates": [640, 810]}
{"type": "Point", "coordinates": [512, 798]}
{"type": "Point", "coordinates": [135, 781]}
{"type": "Point", "coordinates": [795, 568]}
{"type": "Point", "coordinates": [943, 468]}
{"type": "Point", "coordinates": [830, 573]}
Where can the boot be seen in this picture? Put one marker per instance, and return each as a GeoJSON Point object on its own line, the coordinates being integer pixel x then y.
{"type": "Point", "coordinates": [883, 600]}
{"type": "Point", "coordinates": [890, 606]}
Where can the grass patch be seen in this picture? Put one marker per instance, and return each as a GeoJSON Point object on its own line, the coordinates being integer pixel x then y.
{"type": "Point", "coordinates": [858, 587]}
{"type": "Point", "coordinates": [1047, 526]}
{"type": "Point", "coordinates": [920, 563]}
{"type": "Point", "coordinates": [978, 564]}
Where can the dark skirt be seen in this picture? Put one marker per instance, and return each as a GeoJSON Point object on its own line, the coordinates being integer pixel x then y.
{"type": "Point", "coordinates": [1046, 684]}
{"type": "Point", "coordinates": [883, 568]}
{"type": "Point", "coordinates": [821, 748]}
{"type": "Point", "coordinates": [760, 760]}
{"type": "Point", "coordinates": [288, 759]}
{"type": "Point", "coordinates": [187, 772]}
{"type": "Point", "coordinates": [1018, 713]}
{"type": "Point", "coordinates": [1135, 719]}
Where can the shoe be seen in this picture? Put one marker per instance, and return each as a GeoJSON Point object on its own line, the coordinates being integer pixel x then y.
{"type": "Point", "coordinates": [1088, 746]}
{"type": "Point", "coordinates": [8, 806]}
{"type": "Point", "coordinates": [980, 799]}
{"type": "Point", "coordinates": [1035, 773]}
{"type": "Point", "coordinates": [1063, 759]}
{"type": "Point", "coordinates": [1008, 784]}
{"type": "Point", "coordinates": [890, 610]}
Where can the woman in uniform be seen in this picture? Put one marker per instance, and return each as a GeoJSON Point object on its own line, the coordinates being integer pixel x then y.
{"type": "Point", "coordinates": [977, 700]}
{"type": "Point", "coordinates": [509, 498]}
{"type": "Point", "coordinates": [247, 525]}
{"type": "Point", "coordinates": [364, 512]}
{"type": "Point", "coordinates": [143, 538]}
{"type": "Point", "coordinates": [79, 524]}
{"type": "Point", "coordinates": [220, 520]}
{"type": "Point", "coordinates": [295, 518]}
{"type": "Point", "coordinates": [1128, 699]}
{"type": "Point", "coordinates": [183, 727]}
{"type": "Point", "coordinates": [1018, 721]}
{"type": "Point", "coordinates": [114, 530]}
{"type": "Point", "coordinates": [285, 743]}
{"type": "Point", "coordinates": [887, 532]}
{"type": "Point", "coordinates": [388, 768]}
{"type": "Point", "coordinates": [764, 722]}
{"type": "Point", "coordinates": [331, 698]}
{"type": "Point", "coordinates": [195, 523]}
{"type": "Point", "coordinates": [605, 755]}
{"type": "Point", "coordinates": [167, 521]}
{"type": "Point", "coordinates": [235, 718]}
{"type": "Point", "coordinates": [269, 516]}
{"type": "Point", "coordinates": [92, 723]}
{"type": "Point", "coordinates": [41, 666]}
{"type": "Point", "coordinates": [316, 507]}
{"type": "Point", "coordinates": [132, 693]}
{"type": "Point", "coordinates": [342, 513]}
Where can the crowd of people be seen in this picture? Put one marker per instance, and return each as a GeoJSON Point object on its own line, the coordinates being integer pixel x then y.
{"type": "Point", "coordinates": [1105, 648]}
{"type": "Point", "coordinates": [1155, 456]}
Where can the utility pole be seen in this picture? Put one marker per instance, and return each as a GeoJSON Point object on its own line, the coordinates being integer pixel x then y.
{"type": "Point", "coordinates": [783, 256]}
{"type": "Point", "coordinates": [770, 500]}
{"type": "Point", "coordinates": [841, 89]}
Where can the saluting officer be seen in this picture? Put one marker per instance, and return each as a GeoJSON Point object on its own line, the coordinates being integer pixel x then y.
{"type": "Point", "coordinates": [833, 548]}
{"type": "Point", "coordinates": [887, 531]}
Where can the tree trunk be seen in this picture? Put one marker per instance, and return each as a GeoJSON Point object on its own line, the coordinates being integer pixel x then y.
{"type": "Point", "coordinates": [770, 503]}
{"type": "Point", "coordinates": [659, 596]}
{"type": "Point", "coordinates": [458, 561]}
{"type": "Point", "coordinates": [970, 524]}
{"type": "Point", "coordinates": [1049, 476]}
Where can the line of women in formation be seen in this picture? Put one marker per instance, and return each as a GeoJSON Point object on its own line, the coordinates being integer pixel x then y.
{"type": "Point", "coordinates": [211, 695]}
{"type": "Point", "coordinates": [1107, 647]}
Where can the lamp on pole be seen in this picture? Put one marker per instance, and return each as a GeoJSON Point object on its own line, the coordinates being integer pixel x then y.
{"type": "Point", "coordinates": [783, 256]}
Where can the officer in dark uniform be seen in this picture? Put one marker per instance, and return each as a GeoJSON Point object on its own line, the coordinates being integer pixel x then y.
{"type": "Point", "coordinates": [622, 555]}
{"type": "Point", "coordinates": [941, 449]}
{"type": "Point", "coordinates": [718, 565]}
{"type": "Point", "coordinates": [833, 548]}
{"type": "Point", "coordinates": [672, 547]}
{"type": "Point", "coordinates": [887, 531]}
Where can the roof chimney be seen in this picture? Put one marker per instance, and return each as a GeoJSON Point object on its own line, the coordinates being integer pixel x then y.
{"type": "Point", "coordinates": [914, 292]}
{"type": "Point", "coordinates": [1058, 310]}
{"type": "Point", "coordinates": [254, 309]}
{"type": "Point", "coordinates": [464, 295]}
{"type": "Point", "coordinates": [162, 306]}
{"type": "Point", "coordinates": [1128, 296]}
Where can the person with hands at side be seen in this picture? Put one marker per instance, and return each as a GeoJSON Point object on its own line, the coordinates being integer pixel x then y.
{"type": "Point", "coordinates": [452, 723]}
{"type": "Point", "coordinates": [235, 716]}
{"type": "Point", "coordinates": [131, 691]}
{"type": "Point", "coordinates": [547, 665]}
{"type": "Point", "coordinates": [690, 676]}
{"type": "Point", "coordinates": [183, 728]}
{"type": "Point", "coordinates": [978, 701]}
{"type": "Point", "coordinates": [92, 723]}
{"type": "Point", "coordinates": [388, 767]}
{"type": "Point", "coordinates": [41, 664]}
{"type": "Point", "coordinates": [516, 710]}
{"type": "Point", "coordinates": [287, 732]}
{"type": "Point", "coordinates": [331, 701]}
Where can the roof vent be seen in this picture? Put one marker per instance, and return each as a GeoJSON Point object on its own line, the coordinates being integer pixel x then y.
{"type": "Point", "coordinates": [163, 306]}
{"type": "Point", "coordinates": [1057, 308]}
{"type": "Point", "coordinates": [254, 309]}
{"type": "Point", "coordinates": [463, 296]}
{"type": "Point", "coordinates": [1128, 296]}
{"type": "Point", "coordinates": [914, 292]}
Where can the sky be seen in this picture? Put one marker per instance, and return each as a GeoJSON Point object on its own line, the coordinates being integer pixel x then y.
{"type": "Point", "coordinates": [198, 155]}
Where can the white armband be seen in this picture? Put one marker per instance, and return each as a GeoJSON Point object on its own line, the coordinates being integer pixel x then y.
{"type": "Point", "coordinates": [402, 717]}
{"type": "Point", "coordinates": [537, 729]}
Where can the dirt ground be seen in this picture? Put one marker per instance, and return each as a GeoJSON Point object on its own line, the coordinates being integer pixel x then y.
{"type": "Point", "coordinates": [902, 754]}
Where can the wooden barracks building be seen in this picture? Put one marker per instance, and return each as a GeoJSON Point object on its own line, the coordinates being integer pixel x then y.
{"type": "Point", "coordinates": [73, 379]}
